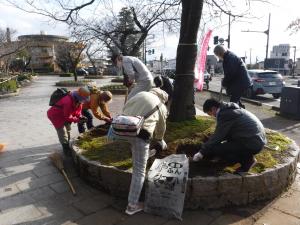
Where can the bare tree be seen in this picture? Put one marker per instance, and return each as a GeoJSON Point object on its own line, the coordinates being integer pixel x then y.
{"type": "Point", "coordinates": [294, 26]}
{"type": "Point", "coordinates": [69, 55]}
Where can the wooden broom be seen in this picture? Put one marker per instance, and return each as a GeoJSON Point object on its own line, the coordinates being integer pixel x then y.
{"type": "Point", "coordinates": [57, 160]}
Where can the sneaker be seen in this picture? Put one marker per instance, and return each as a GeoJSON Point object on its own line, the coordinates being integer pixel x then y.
{"type": "Point", "coordinates": [152, 152]}
{"type": "Point", "coordinates": [133, 209]}
{"type": "Point", "coordinates": [247, 165]}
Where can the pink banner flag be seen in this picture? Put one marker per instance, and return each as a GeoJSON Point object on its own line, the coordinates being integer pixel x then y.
{"type": "Point", "coordinates": [201, 61]}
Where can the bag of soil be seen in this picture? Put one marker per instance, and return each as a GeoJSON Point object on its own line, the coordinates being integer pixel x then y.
{"type": "Point", "coordinates": [166, 186]}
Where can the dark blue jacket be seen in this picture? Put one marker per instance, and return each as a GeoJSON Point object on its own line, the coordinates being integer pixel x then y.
{"type": "Point", "coordinates": [236, 78]}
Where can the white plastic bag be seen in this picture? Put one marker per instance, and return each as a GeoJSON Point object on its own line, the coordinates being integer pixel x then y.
{"type": "Point", "coordinates": [166, 186]}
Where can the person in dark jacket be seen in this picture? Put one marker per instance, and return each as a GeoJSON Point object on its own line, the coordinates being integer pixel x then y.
{"type": "Point", "coordinates": [236, 78]}
{"type": "Point", "coordinates": [165, 84]}
{"type": "Point", "coordinates": [239, 135]}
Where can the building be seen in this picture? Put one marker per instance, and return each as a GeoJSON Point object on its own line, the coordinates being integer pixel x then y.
{"type": "Point", "coordinates": [281, 51]}
{"type": "Point", "coordinates": [156, 66]}
{"type": "Point", "coordinates": [42, 50]}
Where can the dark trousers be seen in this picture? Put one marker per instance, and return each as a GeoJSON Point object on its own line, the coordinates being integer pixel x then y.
{"type": "Point", "coordinates": [236, 98]}
{"type": "Point", "coordinates": [231, 151]}
{"type": "Point", "coordinates": [89, 123]}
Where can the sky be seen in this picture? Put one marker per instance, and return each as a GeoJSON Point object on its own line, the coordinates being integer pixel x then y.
{"type": "Point", "coordinates": [282, 13]}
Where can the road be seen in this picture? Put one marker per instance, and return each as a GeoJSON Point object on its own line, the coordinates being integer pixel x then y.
{"type": "Point", "coordinates": [215, 85]}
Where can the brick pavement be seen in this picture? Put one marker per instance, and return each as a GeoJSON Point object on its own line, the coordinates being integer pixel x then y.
{"type": "Point", "coordinates": [33, 192]}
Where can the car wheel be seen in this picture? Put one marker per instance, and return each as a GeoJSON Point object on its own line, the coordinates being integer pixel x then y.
{"type": "Point", "coordinates": [249, 93]}
{"type": "Point", "coordinates": [276, 96]}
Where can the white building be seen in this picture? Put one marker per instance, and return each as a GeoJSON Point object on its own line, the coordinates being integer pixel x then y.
{"type": "Point", "coordinates": [281, 51]}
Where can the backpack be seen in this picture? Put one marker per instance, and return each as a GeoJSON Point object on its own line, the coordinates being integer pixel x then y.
{"type": "Point", "coordinates": [58, 94]}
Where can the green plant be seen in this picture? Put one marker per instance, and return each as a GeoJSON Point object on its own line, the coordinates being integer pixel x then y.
{"type": "Point", "coordinates": [9, 86]}
{"type": "Point", "coordinates": [72, 83]}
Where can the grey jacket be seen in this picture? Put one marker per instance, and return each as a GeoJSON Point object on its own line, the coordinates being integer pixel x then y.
{"type": "Point", "coordinates": [237, 124]}
{"type": "Point", "coordinates": [135, 69]}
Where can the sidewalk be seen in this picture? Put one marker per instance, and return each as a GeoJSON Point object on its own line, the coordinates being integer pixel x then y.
{"type": "Point", "coordinates": [33, 192]}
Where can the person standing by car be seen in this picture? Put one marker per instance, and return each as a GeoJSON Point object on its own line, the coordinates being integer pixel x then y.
{"type": "Point", "coordinates": [134, 71]}
{"type": "Point", "coordinates": [66, 111]}
{"type": "Point", "coordinates": [239, 135]}
{"type": "Point", "coordinates": [236, 78]}
{"type": "Point", "coordinates": [98, 99]}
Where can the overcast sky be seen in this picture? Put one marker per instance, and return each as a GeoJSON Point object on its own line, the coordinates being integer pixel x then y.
{"type": "Point", "coordinates": [282, 13]}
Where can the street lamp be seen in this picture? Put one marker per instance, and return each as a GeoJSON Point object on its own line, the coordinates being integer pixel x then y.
{"type": "Point", "coordinates": [267, 32]}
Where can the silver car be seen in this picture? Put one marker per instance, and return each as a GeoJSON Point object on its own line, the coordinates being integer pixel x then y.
{"type": "Point", "coordinates": [265, 82]}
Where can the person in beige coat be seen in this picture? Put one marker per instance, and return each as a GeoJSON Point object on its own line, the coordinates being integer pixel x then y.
{"type": "Point", "coordinates": [154, 127]}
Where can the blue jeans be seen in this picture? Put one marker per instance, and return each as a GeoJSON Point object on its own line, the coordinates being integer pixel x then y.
{"type": "Point", "coordinates": [89, 123]}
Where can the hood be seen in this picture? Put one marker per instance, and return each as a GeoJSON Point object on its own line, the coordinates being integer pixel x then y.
{"type": "Point", "coordinates": [162, 95]}
{"type": "Point", "coordinates": [229, 111]}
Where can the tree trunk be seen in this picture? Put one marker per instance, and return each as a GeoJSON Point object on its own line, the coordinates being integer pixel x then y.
{"type": "Point", "coordinates": [183, 103]}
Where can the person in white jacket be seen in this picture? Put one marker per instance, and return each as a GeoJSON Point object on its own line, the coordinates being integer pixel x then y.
{"type": "Point", "coordinates": [153, 127]}
{"type": "Point", "coordinates": [134, 70]}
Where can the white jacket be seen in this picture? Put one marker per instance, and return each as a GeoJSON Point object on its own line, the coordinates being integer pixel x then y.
{"type": "Point", "coordinates": [144, 102]}
{"type": "Point", "coordinates": [135, 69]}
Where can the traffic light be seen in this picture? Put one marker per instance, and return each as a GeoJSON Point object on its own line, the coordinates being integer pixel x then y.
{"type": "Point", "coordinates": [216, 40]}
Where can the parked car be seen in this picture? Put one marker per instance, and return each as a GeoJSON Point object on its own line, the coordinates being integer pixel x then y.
{"type": "Point", "coordinates": [265, 82]}
{"type": "Point", "coordinates": [92, 70]}
{"type": "Point", "coordinates": [81, 72]}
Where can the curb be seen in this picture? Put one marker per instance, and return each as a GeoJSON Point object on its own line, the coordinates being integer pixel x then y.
{"type": "Point", "coordinates": [253, 102]}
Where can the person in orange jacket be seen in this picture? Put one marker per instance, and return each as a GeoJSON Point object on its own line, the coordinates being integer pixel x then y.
{"type": "Point", "coordinates": [99, 99]}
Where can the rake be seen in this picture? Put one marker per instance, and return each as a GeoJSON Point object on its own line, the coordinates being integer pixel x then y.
{"type": "Point", "coordinates": [57, 160]}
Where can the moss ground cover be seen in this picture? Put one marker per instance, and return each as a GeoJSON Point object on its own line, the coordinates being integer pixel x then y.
{"type": "Point", "coordinates": [183, 137]}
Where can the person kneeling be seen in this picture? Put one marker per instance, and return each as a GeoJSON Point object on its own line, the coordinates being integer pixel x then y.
{"type": "Point", "coordinates": [239, 135]}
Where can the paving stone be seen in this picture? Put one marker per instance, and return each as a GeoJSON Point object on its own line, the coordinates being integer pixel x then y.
{"type": "Point", "coordinates": [289, 203]}
{"type": "Point", "coordinates": [21, 215]}
{"type": "Point", "coordinates": [60, 187]}
{"type": "Point", "coordinates": [275, 217]}
{"type": "Point", "coordinates": [41, 193]}
{"type": "Point", "coordinates": [12, 170]}
{"type": "Point", "coordinates": [26, 177]}
{"type": "Point", "coordinates": [15, 201]}
{"type": "Point", "coordinates": [8, 190]}
{"type": "Point", "coordinates": [44, 170]}
{"type": "Point", "coordinates": [91, 205]}
{"type": "Point", "coordinates": [191, 218]}
{"type": "Point", "coordinates": [104, 217]}
{"type": "Point", "coordinates": [43, 181]}
{"type": "Point", "coordinates": [232, 219]}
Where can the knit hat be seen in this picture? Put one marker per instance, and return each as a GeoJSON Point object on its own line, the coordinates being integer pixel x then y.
{"type": "Point", "coordinates": [81, 95]}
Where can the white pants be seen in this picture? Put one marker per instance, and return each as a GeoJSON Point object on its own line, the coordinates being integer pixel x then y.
{"type": "Point", "coordinates": [140, 154]}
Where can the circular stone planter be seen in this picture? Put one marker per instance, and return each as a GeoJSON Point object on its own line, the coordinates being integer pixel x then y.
{"type": "Point", "coordinates": [202, 192]}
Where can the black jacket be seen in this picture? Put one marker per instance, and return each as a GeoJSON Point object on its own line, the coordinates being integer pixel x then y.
{"type": "Point", "coordinates": [237, 124]}
{"type": "Point", "coordinates": [236, 78]}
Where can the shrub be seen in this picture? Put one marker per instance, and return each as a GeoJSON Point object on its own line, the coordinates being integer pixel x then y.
{"type": "Point", "coordinates": [72, 83]}
{"type": "Point", "coordinates": [8, 87]}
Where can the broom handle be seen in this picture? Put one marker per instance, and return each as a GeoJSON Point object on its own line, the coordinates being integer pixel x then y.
{"type": "Point", "coordinates": [126, 95]}
{"type": "Point", "coordinates": [69, 182]}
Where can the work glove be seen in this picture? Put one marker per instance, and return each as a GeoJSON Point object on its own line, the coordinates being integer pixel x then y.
{"type": "Point", "coordinates": [83, 119]}
{"type": "Point", "coordinates": [108, 120]}
{"type": "Point", "coordinates": [162, 144]}
{"type": "Point", "coordinates": [197, 157]}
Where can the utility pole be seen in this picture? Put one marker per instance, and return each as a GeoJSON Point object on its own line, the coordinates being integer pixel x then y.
{"type": "Point", "coordinates": [294, 63]}
{"type": "Point", "coordinates": [267, 32]}
{"type": "Point", "coordinates": [250, 57]}
{"type": "Point", "coordinates": [229, 24]}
